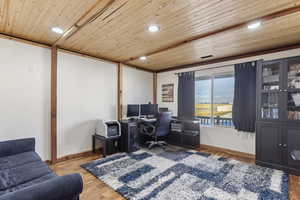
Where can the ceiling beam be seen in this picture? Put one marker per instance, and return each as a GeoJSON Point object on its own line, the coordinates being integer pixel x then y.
{"type": "Point", "coordinates": [268, 17]}
{"type": "Point", "coordinates": [230, 58]}
{"type": "Point", "coordinates": [80, 23]}
{"type": "Point", "coordinates": [76, 27]}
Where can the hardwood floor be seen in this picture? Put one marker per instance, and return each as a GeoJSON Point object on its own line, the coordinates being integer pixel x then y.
{"type": "Point", "coordinates": [93, 188]}
{"type": "Point", "coordinates": [96, 190]}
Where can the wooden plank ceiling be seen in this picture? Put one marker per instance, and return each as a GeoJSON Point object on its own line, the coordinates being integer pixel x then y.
{"type": "Point", "coordinates": [189, 29]}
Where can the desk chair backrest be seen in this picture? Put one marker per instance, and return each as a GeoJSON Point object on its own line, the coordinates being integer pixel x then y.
{"type": "Point", "coordinates": [163, 123]}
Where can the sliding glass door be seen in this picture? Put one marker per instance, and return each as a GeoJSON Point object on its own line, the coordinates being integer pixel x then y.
{"type": "Point", "coordinates": [214, 99]}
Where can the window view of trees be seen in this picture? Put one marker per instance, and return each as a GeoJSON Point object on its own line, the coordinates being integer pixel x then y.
{"type": "Point", "coordinates": [214, 99]}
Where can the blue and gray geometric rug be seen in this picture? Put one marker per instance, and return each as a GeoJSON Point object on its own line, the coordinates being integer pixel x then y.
{"type": "Point", "coordinates": [180, 174]}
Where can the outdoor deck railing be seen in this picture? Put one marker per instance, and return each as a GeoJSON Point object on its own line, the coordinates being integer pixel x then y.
{"type": "Point", "coordinates": [218, 121]}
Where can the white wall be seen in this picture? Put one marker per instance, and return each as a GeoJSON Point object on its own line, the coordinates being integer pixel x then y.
{"type": "Point", "coordinates": [216, 136]}
{"type": "Point", "coordinates": [167, 78]}
{"type": "Point", "coordinates": [87, 90]}
{"type": "Point", "coordinates": [25, 94]}
{"type": "Point", "coordinates": [137, 87]}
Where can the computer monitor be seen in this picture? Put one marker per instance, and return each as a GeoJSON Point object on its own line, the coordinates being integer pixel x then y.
{"type": "Point", "coordinates": [133, 110]}
{"type": "Point", "coordinates": [149, 109]}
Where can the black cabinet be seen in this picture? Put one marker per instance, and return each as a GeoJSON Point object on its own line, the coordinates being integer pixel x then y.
{"type": "Point", "coordinates": [275, 144]}
{"type": "Point", "coordinates": [278, 90]}
{"type": "Point", "coordinates": [174, 137]}
{"type": "Point", "coordinates": [268, 143]}
{"type": "Point", "coordinates": [292, 141]}
{"type": "Point", "coordinates": [184, 133]}
{"type": "Point", "coordinates": [278, 114]}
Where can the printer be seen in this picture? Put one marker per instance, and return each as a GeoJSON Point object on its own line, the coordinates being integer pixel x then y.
{"type": "Point", "coordinates": [108, 128]}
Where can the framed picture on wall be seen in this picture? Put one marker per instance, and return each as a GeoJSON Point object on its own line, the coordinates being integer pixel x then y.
{"type": "Point", "coordinates": [167, 93]}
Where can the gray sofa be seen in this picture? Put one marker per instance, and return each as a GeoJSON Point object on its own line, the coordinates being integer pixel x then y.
{"type": "Point", "coordinates": [24, 176]}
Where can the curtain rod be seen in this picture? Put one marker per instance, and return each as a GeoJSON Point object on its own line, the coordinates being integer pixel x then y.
{"type": "Point", "coordinates": [205, 69]}
{"type": "Point", "coordinates": [211, 68]}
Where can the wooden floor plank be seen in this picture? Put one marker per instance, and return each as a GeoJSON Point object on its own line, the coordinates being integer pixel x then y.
{"type": "Point", "coordinates": [96, 190]}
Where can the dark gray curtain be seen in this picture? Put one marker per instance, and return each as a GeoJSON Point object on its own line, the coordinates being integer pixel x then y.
{"type": "Point", "coordinates": [186, 95]}
{"type": "Point", "coordinates": [244, 103]}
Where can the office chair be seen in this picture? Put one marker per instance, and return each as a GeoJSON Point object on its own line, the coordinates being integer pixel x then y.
{"type": "Point", "coordinates": [157, 129]}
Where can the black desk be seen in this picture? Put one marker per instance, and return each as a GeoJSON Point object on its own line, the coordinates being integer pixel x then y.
{"type": "Point", "coordinates": [129, 141]}
{"type": "Point", "coordinates": [105, 144]}
{"type": "Point", "coordinates": [187, 136]}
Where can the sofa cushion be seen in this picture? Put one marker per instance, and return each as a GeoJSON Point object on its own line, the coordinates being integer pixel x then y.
{"type": "Point", "coordinates": [27, 184]}
{"type": "Point", "coordinates": [18, 159]}
{"type": "Point", "coordinates": [20, 174]}
{"type": "Point", "coordinates": [23, 175]}
{"type": "Point", "coordinates": [13, 147]}
{"type": "Point", "coordinates": [66, 187]}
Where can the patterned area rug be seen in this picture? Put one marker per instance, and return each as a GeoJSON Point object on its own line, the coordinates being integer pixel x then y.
{"type": "Point", "coordinates": [180, 174]}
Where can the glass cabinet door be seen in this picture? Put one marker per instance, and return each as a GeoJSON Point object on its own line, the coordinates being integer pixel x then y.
{"type": "Point", "coordinates": [292, 93]}
{"type": "Point", "coordinates": [293, 105]}
{"type": "Point", "coordinates": [270, 76]}
{"type": "Point", "coordinates": [270, 90]}
{"type": "Point", "coordinates": [269, 105]}
{"type": "Point", "coordinates": [293, 74]}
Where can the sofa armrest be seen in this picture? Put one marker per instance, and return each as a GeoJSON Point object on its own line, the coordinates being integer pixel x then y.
{"type": "Point", "coordinates": [12, 147]}
{"type": "Point", "coordinates": [58, 188]}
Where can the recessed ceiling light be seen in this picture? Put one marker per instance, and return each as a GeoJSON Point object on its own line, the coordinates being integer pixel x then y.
{"type": "Point", "coordinates": [153, 28]}
{"type": "Point", "coordinates": [57, 30]}
{"type": "Point", "coordinates": [143, 58]}
{"type": "Point", "coordinates": [254, 25]}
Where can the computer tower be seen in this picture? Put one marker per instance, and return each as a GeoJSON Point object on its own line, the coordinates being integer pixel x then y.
{"type": "Point", "coordinates": [129, 136]}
